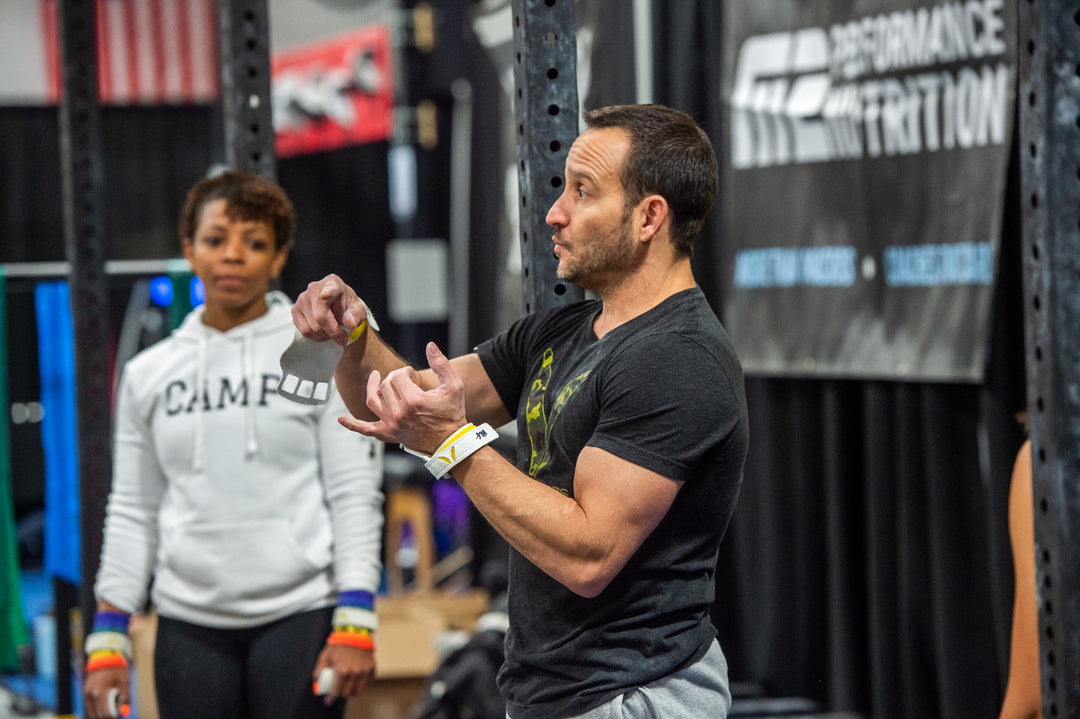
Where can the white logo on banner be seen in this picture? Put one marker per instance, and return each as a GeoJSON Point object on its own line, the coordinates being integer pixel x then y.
{"type": "Point", "coordinates": [883, 85]}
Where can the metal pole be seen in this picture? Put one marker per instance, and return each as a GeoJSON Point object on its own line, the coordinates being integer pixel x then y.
{"type": "Point", "coordinates": [460, 243]}
{"type": "Point", "coordinates": [244, 41]}
{"type": "Point", "coordinates": [1049, 109]}
{"type": "Point", "coordinates": [643, 50]}
{"type": "Point", "coordinates": [545, 114]}
{"type": "Point", "coordinates": [83, 177]}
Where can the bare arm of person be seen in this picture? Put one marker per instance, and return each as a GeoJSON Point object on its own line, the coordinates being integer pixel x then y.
{"type": "Point", "coordinates": [582, 542]}
{"type": "Point", "coordinates": [1023, 699]}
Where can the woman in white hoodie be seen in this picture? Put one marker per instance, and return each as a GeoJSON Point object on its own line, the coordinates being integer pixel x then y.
{"type": "Point", "coordinates": [252, 523]}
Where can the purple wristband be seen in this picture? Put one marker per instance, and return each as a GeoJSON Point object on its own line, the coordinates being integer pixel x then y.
{"type": "Point", "coordinates": [357, 598]}
{"type": "Point", "coordinates": [106, 621]}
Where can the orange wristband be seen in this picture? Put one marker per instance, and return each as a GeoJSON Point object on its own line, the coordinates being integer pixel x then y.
{"type": "Point", "coordinates": [360, 640]}
{"type": "Point", "coordinates": [105, 661]}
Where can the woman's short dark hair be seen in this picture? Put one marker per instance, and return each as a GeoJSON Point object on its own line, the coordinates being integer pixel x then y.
{"type": "Point", "coordinates": [671, 156]}
{"type": "Point", "coordinates": [248, 197]}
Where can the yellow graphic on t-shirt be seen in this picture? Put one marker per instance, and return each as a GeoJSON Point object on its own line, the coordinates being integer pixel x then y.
{"type": "Point", "coordinates": [537, 420]}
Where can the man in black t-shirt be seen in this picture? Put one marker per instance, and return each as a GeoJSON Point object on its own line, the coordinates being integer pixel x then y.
{"type": "Point", "coordinates": [632, 433]}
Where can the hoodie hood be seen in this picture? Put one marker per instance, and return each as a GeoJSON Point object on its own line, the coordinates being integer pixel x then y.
{"type": "Point", "coordinates": [244, 336]}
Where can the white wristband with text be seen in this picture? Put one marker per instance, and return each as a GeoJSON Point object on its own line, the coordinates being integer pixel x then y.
{"type": "Point", "coordinates": [355, 617]}
{"type": "Point", "coordinates": [457, 447]}
{"type": "Point", "coordinates": [108, 641]}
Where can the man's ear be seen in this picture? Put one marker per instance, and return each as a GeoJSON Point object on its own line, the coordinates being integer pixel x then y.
{"type": "Point", "coordinates": [654, 213]}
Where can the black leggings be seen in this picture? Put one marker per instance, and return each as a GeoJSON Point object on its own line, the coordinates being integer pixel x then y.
{"type": "Point", "coordinates": [258, 673]}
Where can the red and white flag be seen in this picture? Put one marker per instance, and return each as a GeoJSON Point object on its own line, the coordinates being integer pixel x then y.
{"type": "Point", "coordinates": [148, 51]}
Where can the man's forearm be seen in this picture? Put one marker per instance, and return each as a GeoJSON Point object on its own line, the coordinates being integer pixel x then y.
{"type": "Point", "coordinates": [369, 352]}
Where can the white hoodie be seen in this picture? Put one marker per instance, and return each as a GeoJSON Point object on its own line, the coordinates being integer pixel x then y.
{"type": "Point", "coordinates": [241, 506]}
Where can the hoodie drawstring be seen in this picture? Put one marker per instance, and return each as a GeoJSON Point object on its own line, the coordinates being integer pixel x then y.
{"type": "Point", "coordinates": [199, 450]}
{"type": "Point", "coordinates": [251, 437]}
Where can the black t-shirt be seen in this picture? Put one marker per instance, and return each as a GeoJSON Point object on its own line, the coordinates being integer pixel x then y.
{"type": "Point", "coordinates": [665, 392]}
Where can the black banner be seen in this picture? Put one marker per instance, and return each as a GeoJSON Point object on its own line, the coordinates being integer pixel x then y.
{"type": "Point", "coordinates": [863, 172]}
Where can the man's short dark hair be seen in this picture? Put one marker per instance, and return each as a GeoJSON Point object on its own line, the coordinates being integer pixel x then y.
{"type": "Point", "coordinates": [248, 197]}
{"type": "Point", "coordinates": [671, 156]}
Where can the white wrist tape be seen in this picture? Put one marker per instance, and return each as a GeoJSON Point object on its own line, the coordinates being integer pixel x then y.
{"type": "Point", "coordinates": [108, 641]}
{"type": "Point", "coordinates": [355, 617]}
{"type": "Point", "coordinates": [458, 446]}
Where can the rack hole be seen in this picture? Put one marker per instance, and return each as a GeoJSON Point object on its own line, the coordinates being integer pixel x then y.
{"type": "Point", "coordinates": [553, 110]}
{"type": "Point", "coordinates": [556, 182]}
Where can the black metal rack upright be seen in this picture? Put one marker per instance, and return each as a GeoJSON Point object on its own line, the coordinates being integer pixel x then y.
{"type": "Point", "coordinates": [83, 178]}
{"type": "Point", "coordinates": [546, 119]}
{"type": "Point", "coordinates": [1049, 117]}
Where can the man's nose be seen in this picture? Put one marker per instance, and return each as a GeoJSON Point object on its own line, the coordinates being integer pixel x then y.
{"type": "Point", "coordinates": [555, 215]}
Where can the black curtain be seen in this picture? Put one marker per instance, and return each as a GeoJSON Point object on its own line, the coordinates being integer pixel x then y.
{"type": "Point", "coordinates": [151, 155]}
{"type": "Point", "coordinates": [867, 565]}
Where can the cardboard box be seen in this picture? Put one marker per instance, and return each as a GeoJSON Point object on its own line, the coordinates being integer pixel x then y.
{"type": "Point", "coordinates": [410, 624]}
{"type": "Point", "coordinates": [405, 648]}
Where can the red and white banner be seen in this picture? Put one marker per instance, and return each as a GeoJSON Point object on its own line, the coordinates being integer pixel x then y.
{"type": "Point", "coordinates": [148, 51]}
{"type": "Point", "coordinates": [334, 93]}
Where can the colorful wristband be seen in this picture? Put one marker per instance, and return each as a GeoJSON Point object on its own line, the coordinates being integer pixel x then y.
{"type": "Point", "coordinates": [356, 598]}
{"type": "Point", "coordinates": [105, 660]}
{"type": "Point", "coordinates": [109, 621]}
{"type": "Point", "coordinates": [109, 642]}
{"type": "Point", "coordinates": [354, 618]}
{"type": "Point", "coordinates": [360, 639]}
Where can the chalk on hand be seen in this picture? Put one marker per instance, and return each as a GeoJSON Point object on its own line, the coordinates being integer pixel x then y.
{"type": "Point", "coordinates": [325, 683]}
